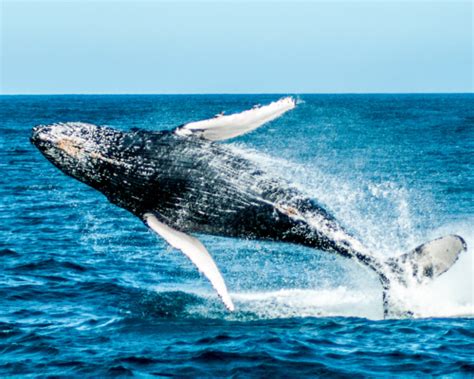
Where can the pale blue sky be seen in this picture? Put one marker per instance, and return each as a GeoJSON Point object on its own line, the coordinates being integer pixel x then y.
{"type": "Point", "coordinates": [235, 47]}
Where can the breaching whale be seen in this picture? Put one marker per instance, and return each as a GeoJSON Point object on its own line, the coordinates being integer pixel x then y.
{"type": "Point", "coordinates": [183, 182]}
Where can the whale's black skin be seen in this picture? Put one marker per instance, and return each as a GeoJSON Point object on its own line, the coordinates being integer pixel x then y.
{"type": "Point", "coordinates": [193, 185]}
{"type": "Point", "coordinates": [190, 184]}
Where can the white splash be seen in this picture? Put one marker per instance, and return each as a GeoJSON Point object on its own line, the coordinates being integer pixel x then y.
{"type": "Point", "coordinates": [339, 301]}
{"type": "Point", "coordinates": [450, 295]}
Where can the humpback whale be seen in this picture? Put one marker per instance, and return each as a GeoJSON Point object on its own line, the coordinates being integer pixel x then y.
{"type": "Point", "coordinates": [184, 181]}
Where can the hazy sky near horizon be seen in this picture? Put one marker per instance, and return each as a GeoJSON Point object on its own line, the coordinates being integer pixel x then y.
{"type": "Point", "coordinates": [235, 47]}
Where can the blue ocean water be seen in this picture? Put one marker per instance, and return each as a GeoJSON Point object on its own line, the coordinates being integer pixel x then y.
{"type": "Point", "coordinates": [86, 289]}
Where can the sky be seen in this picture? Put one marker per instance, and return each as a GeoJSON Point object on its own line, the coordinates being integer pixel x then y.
{"type": "Point", "coordinates": [105, 46]}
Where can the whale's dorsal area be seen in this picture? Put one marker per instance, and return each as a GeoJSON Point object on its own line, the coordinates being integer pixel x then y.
{"type": "Point", "coordinates": [195, 251]}
{"type": "Point", "coordinates": [223, 127]}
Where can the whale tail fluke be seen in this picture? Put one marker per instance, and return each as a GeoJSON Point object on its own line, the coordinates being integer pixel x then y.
{"type": "Point", "coordinates": [419, 266]}
{"type": "Point", "coordinates": [428, 261]}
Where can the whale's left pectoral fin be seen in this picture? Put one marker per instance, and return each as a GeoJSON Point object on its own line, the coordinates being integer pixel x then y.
{"type": "Point", "coordinates": [195, 251]}
{"type": "Point", "coordinates": [223, 127]}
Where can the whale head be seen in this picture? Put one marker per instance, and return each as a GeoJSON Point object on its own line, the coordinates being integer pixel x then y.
{"type": "Point", "coordinates": [81, 150]}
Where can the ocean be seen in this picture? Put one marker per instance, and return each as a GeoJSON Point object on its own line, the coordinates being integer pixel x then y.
{"type": "Point", "coordinates": [87, 290]}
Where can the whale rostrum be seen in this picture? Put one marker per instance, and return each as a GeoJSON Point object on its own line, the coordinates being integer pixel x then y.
{"type": "Point", "coordinates": [184, 181]}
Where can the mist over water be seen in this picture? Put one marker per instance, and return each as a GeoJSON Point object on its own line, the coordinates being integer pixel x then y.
{"type": "Point", "coordinates": [86, 288]}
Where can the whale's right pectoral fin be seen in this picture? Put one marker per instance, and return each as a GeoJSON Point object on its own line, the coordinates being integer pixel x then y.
{"type": "Point", "coordinates": [224, 127]}
{"type": "Point", "coordinates": [195, 251]}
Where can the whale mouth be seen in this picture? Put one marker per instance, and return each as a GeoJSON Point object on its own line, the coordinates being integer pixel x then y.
{"type": "Point", "coordinates": [47, 135]}
{"type": "Point", "coordinates": [47, 139]}
{"type": "Point", "coordinates": [40, 134]}
{"type": "Point", "coordinates": [72, 139]}
{"type": "Point", "coordinates": [42, 138]}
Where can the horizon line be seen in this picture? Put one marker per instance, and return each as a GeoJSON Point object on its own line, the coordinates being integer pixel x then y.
{"type": "Point", "coordinates": [230, 93]}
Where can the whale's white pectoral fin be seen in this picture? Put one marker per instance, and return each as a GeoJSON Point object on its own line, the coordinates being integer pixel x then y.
{"type": "Point", "coordinates": [195, 251]}
{"type": "Point", "coordinates": [224, 127]}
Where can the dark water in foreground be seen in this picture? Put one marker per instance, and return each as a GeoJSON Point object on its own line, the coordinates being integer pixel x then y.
{"type": "Point", "coordinates": [85, 289]}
